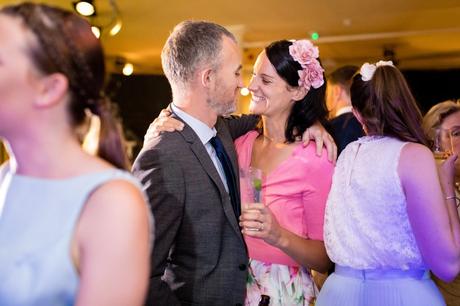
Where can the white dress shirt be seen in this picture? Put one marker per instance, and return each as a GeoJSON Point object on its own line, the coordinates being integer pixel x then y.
{"type": "Point", "coordinates": [344, 110]}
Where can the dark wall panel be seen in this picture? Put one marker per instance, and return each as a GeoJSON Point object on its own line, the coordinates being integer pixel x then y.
{"type": "Point", "coordinates": [433, 86]}
{"type": "Point", "coordinates": [140, 99]}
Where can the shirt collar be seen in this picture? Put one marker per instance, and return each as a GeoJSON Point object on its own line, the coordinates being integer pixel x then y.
{"type": "Point", "coordinates": [343, 110]}
{"type": "Point", "coordinates": [204, 132]}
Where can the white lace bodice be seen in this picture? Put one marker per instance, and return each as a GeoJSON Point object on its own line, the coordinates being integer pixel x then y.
{"type": "Point", "coordinates": [366, 222]}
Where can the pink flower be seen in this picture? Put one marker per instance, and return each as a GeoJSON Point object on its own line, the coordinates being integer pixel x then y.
{"type": "Point", "coordinates": [303, 51]}
{"type": "Point", "coordinates": [306, 54]}
{"type": "Point", "coordinates": [315, 74]}
{"type": "Point", "coordinates": [303, 80]}
{"type": "Point", "coordinates": [311, 75]}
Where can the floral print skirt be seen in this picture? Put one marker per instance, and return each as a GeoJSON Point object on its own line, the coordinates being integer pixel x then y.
{"type": "Point", "coordinates": [285, 285]}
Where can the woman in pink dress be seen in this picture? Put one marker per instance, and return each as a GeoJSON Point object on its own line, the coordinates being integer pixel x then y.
{"type": "Point", "coordinates": [284, 232]}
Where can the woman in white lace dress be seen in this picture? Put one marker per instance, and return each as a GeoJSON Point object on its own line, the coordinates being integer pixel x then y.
{"type": "Point", "coordinates": [389, 218]}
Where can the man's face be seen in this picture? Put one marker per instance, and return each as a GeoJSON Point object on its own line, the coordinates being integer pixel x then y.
{"type": "Point", "coordinates": [223, 96]}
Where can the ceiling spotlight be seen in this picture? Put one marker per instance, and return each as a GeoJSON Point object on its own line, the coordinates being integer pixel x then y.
{"type": "Point", "coordinates": [121, 64]}
{"type": "Point", "coordinates": [85, 7]}
{"type": "Point", "coordinates": [128, 69]}
{"type": "Point", "coordinates": [96, 31]}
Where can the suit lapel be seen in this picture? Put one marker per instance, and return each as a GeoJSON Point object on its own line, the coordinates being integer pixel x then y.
{"type": "Point", "coordinates": [229, 146]}
{"type": "Point", "coordinates": [203, 157]}
{"type": "Point", "coordinates": [227, 141]}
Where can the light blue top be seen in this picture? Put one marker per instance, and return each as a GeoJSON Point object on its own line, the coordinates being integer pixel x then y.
{"type": "Point", "coordinates": [36, 228]}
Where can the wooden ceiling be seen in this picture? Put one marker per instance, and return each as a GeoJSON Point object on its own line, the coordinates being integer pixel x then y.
{"type": "Point", "coordinates": [422, 34]}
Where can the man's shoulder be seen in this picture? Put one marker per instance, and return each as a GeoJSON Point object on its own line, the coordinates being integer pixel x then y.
{"type": "Point", "coordinates": [166, 145]}
{"type": "Point", "coordinates": [166, 140]}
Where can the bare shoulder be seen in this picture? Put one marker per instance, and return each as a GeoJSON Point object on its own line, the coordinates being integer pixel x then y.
{"type": "Point", "coordinates": [415, 159]}
{"type": "Point", "coordinates": [114, 216]}
{"type": "Point", "coordinates": [415, 153]}
{"type": "Point", "coordinates": [120, 193]}
{"type": "Point", "coordinates": [117, 201]}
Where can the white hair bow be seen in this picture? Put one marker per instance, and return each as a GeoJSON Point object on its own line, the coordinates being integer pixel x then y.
{"type": "Point", "coordinates": [367, 70]}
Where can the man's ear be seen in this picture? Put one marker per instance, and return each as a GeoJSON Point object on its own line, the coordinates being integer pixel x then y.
{"type": "Point", "coordinates": [207, 77]}
{"type": "Point", "coordinates": [337, 91]}
{"type": "Point", "coordinates": [53, 88]}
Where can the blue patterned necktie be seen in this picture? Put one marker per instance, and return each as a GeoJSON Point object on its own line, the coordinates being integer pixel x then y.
{"type": "Point", "coordinates": [229, 174]}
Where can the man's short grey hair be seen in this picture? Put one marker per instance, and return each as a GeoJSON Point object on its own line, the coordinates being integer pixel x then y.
{"type": "Point", "coordinates": [191, 44]}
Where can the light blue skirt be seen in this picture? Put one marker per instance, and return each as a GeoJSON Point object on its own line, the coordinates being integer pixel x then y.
{"type": "Point", "coordinates": [351, 287]}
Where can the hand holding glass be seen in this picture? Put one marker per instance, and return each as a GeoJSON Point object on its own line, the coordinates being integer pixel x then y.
{"type": "Point", "coordinates": [442, 144]}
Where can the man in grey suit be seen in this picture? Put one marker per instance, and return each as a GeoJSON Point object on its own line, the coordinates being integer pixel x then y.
{"type": "Point", "coordinates": [199, 256]}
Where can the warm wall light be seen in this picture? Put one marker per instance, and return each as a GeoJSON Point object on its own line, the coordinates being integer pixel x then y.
{"type": "Point", "coordinates": [85, 8]}
{"type": "Point", "coordinates": [116, 28]}
{"type": "Point", "coordinates": [91, 139]}
{"type": "Point", "coordinates": [244, 91]}
{"type": "Point", "coordinates": [107, 24]}
{"type": "Point", "coordinates": [128, 69]}
{"type": "Point", "coordinates": [96, 31]}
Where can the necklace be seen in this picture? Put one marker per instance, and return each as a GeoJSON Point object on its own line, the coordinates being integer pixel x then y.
{"type": "Point", "coordinates": [283, 140]}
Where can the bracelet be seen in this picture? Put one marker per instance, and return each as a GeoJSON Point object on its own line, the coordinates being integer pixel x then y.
{"type": "Point", "coordinates": [457, 200]}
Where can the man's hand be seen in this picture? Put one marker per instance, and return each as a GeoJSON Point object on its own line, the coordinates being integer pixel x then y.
{"type": "Point", "coordinates": [163, 123]}
{"type": "Point", "coordinates": [319, 134]}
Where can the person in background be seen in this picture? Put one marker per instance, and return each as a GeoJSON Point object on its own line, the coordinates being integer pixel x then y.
{"type": "Point", "coordinates": [74, 228]}
{"type": "Point", "coordinates": [391, 215]}
{"type": "Point", "coordinates": [446, 117]}
{"type": "Point", "coordinates": [345, 127]}
{"type": "Point", "coordinates": [284, 231]}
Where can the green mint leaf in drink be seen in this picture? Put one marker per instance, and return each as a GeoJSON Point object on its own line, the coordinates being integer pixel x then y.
{"type": "Point", "coordinates": [257, 184]}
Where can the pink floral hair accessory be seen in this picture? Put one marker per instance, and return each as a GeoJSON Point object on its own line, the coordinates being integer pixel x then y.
{"type": "Point", "coordinates": [306, 54]}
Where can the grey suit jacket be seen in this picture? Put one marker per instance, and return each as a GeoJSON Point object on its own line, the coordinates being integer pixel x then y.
{"type": "Point", "coordinates": [199, 256]}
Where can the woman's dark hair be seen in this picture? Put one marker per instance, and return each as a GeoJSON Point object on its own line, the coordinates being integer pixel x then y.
{"type": "Point", "coordinates": [310, 109]}
{"type": "Point", "coordinates": [67, 45]}
{"type": "Point", "coordinates": [387, 106]}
